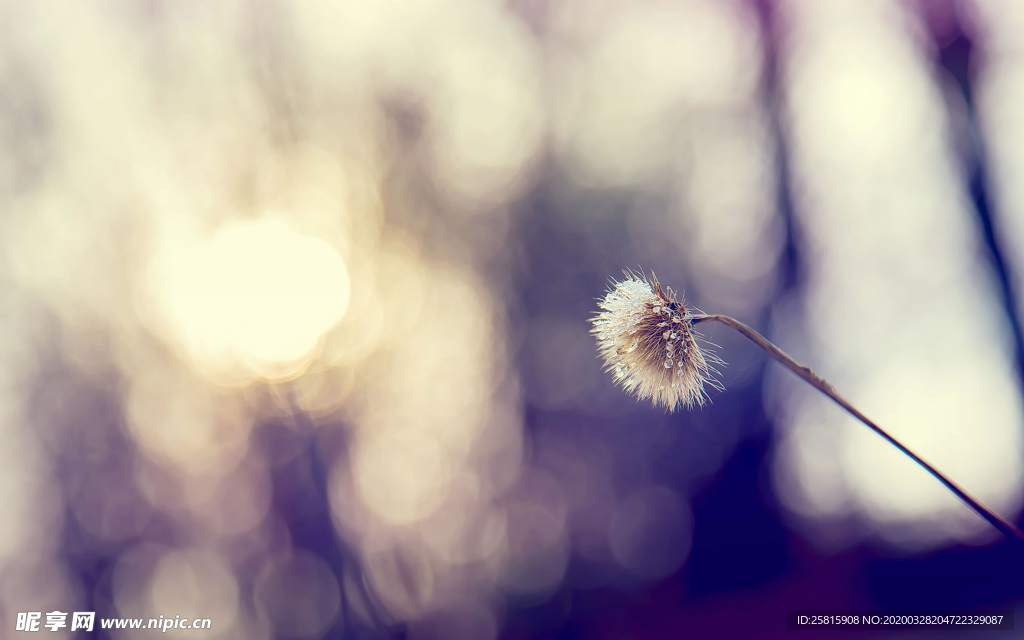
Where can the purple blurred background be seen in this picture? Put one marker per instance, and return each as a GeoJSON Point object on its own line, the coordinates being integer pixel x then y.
{"type": "Point", "coordinates": [294, 305]}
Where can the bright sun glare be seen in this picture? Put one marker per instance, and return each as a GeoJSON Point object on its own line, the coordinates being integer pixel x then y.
{"type": "Point", "coordinates": [256, 294]}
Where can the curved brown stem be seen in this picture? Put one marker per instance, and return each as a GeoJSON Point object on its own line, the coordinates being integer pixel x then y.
{"type": "Point", "coordinates": [825, 387]}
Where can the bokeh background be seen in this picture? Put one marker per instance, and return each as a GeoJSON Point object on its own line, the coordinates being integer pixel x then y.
{"type": "Point", "coordinates": [294, 303]}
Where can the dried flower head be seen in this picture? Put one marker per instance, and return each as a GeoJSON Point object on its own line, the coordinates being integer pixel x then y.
{"type": "Point", "coordinates": [645, 336]}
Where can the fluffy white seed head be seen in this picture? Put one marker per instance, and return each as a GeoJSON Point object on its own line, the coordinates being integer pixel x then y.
{"type": "Point", "coordinates": [647, 341]}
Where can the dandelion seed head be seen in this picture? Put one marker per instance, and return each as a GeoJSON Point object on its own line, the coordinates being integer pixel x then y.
{"type": "Point", "coordinates": [667, 366]}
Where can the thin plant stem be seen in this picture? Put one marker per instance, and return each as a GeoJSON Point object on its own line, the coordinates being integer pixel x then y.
{"type": "Point", "coordinates": [825, 387]}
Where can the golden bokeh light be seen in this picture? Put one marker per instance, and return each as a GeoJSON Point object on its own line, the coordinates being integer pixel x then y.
{"type": "Point", "coordinates": [403, 477]}
{"type": "Point", "coordinates": [176, 418]}
{"type": "Point", "coordinates": [256, 294]}
{"type": "Point", "coordinates": [631, 87]}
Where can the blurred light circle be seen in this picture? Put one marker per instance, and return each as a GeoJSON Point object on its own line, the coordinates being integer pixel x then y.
{"type": "Point", "coordinates": [194, 584]}
{"type": "Point", "coordinates": [300, 595]}
{"type": "Point", "coordinates": [403, 576]}
{"type": "Point", "coordinates": [175, 418]}
{"type": "Point", "coordinates": [257, 294]}
{"type": "Point", "coordinates": [537, 551]}
{"type": "Point", "coordinates": [403, 477]}
{"type": "Point", "coordinates": [130, 578]}
{"type": "Point", "coordinates": [234, 504]}
{"type": "Point", "coordinates": [650, 532]}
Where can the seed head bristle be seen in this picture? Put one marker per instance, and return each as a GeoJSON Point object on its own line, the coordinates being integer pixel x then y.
{"type": "Point", "coordinates": [646, 338]}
